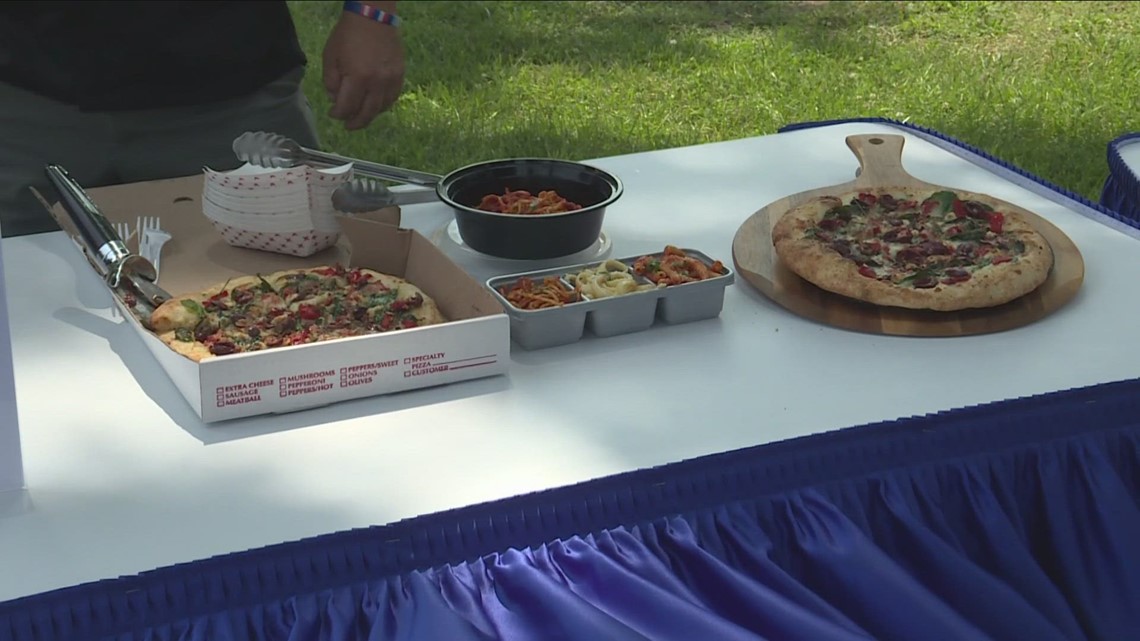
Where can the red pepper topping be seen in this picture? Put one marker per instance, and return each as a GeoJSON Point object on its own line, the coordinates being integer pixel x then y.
{"type": "Point", "coordinates": [867, 271]}
{"type": "Point", "coordinates": [408, 322]}
{"type": "Point", "coordinates": [357, 277]}
{"type": "Point", "coordinates": [1001, 259]}
{"type": "Point", "coordinates": [217, 301]}
{"type": "Point", "coordinates": [868, 199]}
{"type": "Point", "coordinates": [960, 209]}
{"type": "Point", "coordinates": [308, 312]}
{"type": "Point", "coordinates": [996, 222]}
{"type": "Point", "coordinates": [956, 275]}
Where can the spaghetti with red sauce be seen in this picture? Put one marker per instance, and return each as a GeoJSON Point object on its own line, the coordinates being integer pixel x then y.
{"type": "Point", "coordinates": [528, 293]}
{"type": "Point", "coordinates": [524, 203]}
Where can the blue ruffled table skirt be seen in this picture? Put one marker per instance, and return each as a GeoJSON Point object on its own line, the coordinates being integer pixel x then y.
{"type": "Point", "coordinates": [1017, 520]}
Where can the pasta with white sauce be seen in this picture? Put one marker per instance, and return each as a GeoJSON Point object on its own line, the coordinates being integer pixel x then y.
{"type": "Point", "coordinates": [611, 278]}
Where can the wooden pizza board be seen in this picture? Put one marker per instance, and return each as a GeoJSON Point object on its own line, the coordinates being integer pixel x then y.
{"type": "Point", "coordinates": [880, 160]}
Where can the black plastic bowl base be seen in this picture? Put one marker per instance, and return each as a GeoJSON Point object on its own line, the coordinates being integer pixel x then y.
{"type": "Point", "coordinates": [530, 237]}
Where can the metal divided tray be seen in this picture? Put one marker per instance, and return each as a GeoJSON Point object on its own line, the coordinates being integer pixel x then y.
{"type": "Point", "coordinates": [612, 315]}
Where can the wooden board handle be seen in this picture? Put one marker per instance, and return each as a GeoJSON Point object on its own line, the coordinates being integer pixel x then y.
{"type": "Point", "coordinates": [880, 159]}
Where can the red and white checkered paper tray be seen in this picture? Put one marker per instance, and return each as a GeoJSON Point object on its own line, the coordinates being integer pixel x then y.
{"type": "Point", "coordinates": [286, 211]}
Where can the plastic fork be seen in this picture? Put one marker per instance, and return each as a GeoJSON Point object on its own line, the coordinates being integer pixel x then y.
{"type": "Point", "coordinates": [124, 232]}
{"type": "Point", "coordinates": [151, 240]}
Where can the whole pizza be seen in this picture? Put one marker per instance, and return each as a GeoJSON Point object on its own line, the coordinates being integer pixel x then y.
{"type": "Point", "coordinates": [290, 307]}
{"type": "Point", "coordinates": [939, 250]}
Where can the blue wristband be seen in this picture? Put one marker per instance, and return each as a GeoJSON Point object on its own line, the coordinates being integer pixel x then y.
{"type": "Point", "coordinates": [372, 13]}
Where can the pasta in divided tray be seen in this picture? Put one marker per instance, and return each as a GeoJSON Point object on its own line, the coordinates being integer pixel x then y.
{"type": "Point", "coordinates": [611, 278]}
{"type": "Point", "coordinates": [615, 296]}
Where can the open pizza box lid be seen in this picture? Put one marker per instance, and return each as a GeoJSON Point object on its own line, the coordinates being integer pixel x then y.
{"type": "Point", "coordinates": [197, 256]}
{"type": "Point", "coordinates": [477, 334]}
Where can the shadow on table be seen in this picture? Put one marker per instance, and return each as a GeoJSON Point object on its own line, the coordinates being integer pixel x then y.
{"type": "Point", "coordinates": [95, 301]}
{"type": "Point", "coordinates": [590, 346]}
{"type": "Point", "coordinates": [136, 519]}
{"type": "Point", "coordinates": [15, 503]}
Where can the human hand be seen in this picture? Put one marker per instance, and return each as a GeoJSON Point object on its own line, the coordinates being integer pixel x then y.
{"type": "Point", "coordinates": [363, 69]}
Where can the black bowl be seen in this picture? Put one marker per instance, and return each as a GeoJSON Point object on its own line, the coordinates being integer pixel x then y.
{"type": "Point", "coordinates": [529, 237]}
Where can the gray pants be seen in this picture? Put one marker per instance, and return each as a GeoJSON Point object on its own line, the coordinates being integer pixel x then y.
{"type": "Point", "coordinates": [100, 149]}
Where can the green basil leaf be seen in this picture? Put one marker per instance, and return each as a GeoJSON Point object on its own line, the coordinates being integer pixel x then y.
{"type": "Point", "coordinates": [383, 299]}
{"type": "Point", "coordinates": [973, 234]}
{"type": "Point", "coordinates": [195, 307]}
{"type": "Point", "coordinates": [264, 285]}
{"type": "Point", "coordinates": [918, 275]}
{"type": "Point", "coordinates": [945, 201]}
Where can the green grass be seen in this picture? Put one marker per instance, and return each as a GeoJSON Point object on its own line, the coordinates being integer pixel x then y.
{"type": "Point", "coordinates": [1044, 85]}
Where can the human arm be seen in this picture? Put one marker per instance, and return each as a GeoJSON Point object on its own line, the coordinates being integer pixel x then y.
{"type": "Point", "coordinates": [363, 66]}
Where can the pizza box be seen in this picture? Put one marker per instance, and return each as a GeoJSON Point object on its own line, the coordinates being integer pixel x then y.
{"type": "Point", "coordinates": [475, 343]}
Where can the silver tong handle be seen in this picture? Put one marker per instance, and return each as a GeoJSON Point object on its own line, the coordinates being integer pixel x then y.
{"type": "Point", "coordinates": [105, 250]}
{"type": "Point", "coordinates": [370, 169]}
{"type": "Point", "coordinates": [266, 149]}
{"type": "Point", "coordinates": [95, 231]}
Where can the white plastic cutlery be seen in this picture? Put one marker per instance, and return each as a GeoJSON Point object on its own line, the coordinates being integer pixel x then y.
{"type": "Point", "coordinates": [124, 232]}
{"type": "Point", "coordinates": [151, 239]}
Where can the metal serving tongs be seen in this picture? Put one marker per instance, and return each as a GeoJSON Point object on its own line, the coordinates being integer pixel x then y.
{"type": "Point", "coordinates": [359, 195]}
{"type": "Point", "coordinates": [130, 276]}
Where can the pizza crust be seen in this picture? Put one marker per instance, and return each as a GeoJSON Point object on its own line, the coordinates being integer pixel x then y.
{"type": "Point", "coordinates": [988, 286]}
{"type": "Point", "coordinates": [195, 351]}
{"type": "Point", "coordinates": [172, 315]}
